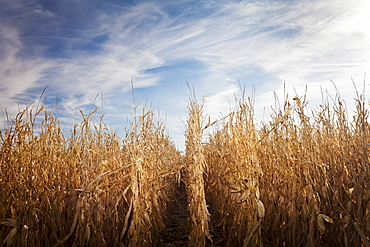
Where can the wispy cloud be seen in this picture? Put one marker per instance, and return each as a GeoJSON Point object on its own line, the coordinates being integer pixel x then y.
{"type": "Point", "coordinates": [216, 44]}
{"type": "Point", "coordinates": [17, 75]}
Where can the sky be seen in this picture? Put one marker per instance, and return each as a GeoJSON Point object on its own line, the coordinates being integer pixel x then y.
{"type": "Point", "coordinates": [89, 53]}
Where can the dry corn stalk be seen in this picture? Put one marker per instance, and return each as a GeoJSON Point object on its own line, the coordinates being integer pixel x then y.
{"type": "Point", "coordinates": [233, 182]}
{"type": "Point", "coordinates": [299, 180]}
{"type": "Point", "coordinates": [196, 165]}
{"type": "Point", "coordinates": [79, 190]}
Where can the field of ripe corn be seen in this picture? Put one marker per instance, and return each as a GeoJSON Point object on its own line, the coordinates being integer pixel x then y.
{"type": "Point", "coordinates": [301, 179]}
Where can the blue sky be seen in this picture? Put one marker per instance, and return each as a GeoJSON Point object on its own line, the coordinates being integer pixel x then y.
{"type": "Point", "coordinates": [88, 51]}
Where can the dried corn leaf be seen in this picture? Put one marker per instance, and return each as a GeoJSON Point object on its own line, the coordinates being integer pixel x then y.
{"type": "Point", "coordinates": [244, 196]}
{"type": "Point", "coordinates": [345, 240]}
{"type": "Point", "coordinates": [10, 237]}
{"type": "Point", "coordinates": [346, 221]}
{"type": "Point", "coordinates": [257, 193]}
{"type": "Point", "coordinates": [10, 222]}
{"type": "Point", "coordinates": [349, 207]}
{"type": "Point", "coordinates": [320, 223]}
{"type": "Point", "coordinates": [260, 209]}
{"type": "Point", "coordinates": [87, 233]}
{"type": "Point", "coordinates": [40, 110]}
{"type": "Point", "coordinates": [235, 189]}
{"type": "Point", "coordinates": [327, 218]}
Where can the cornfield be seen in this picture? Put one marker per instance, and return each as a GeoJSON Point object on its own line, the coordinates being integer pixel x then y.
{"type": "Point", "coordinates": [301, 179]}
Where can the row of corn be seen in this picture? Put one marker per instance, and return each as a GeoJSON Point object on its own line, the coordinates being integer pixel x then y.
{"type": "Point", "coordinates": [87, 189]}
{"type": "Point", "coordinates": [302, 179]}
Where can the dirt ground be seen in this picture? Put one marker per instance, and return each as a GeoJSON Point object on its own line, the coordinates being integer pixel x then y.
{"type": "Point", "coordinates": [178, 224]}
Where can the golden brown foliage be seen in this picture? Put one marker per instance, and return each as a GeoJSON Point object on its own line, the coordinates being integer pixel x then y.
{"type": "Point", "coordinates": [303, 180]}
{"type": "Point", "coordinates": [299, 180]}
{"type": "Point", "coordinates": [196, 165]}
{"type": "Point", "coordinates": [233, 184]}
{"type": "Point", "coordinates": [89, 189]}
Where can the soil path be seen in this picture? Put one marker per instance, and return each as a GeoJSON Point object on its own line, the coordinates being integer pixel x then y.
{"type": "Point", "coordinates": [177, 226]}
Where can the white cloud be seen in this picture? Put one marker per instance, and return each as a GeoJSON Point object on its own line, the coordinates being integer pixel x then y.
{"type": "Point", "coordinates": [221, 102]}
{"type": "Point", "coordinates": [16, 75]}
{"type": "Point", "coordinates": [286, 41]}
{"type": "Point", "coordinates": [300, 42]}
